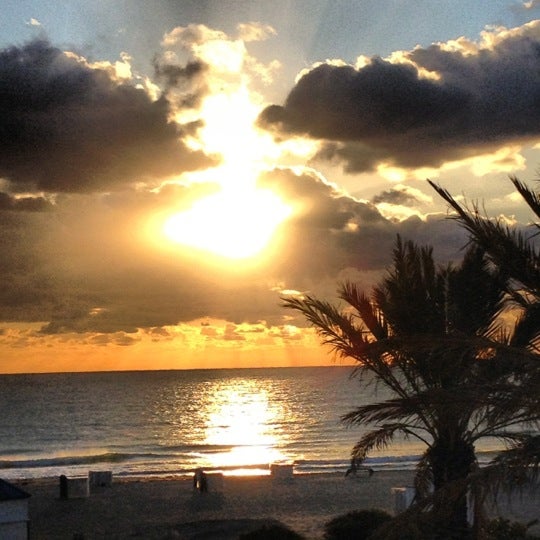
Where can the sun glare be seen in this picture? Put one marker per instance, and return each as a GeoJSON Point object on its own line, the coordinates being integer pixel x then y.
{"type": "Point", "coordinates": [241, 419]}
{"type": "Point", "coordinates": [235, 225]}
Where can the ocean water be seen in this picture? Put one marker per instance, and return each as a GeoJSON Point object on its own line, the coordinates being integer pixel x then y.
{"type": "Point", "coordinates": [167, 423]}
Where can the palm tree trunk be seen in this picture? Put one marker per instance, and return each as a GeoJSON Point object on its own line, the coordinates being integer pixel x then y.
{"type": "Point", "coordinates": [452, 459]}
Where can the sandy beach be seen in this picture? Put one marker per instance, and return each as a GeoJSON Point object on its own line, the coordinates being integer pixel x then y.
{"type": "Point", "coordinates": [170, 508]}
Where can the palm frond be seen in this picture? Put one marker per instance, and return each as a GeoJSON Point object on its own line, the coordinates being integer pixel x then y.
{"type": "Point", "coordinates": [428, 410]}
{"type": "Point", "coordinates": [510, 251]}
{"type": "Point", "coordinates": [475, 294]}
{"type": "Point", "coordinates": [530, 197]}
{"type": "Point", "coordinates": [367, 311]}
{"type": "Point", "coordinates": [403, 409]}
{"type": "Point", "coordinates": [423, 479]}
{"type": "Point", "coordinates": [518, 467]}
{"type": "Point", "coordinates": [336, 328]}
{"type": "Point", "coordinates": [378, 439]}
{"type": "Point", "coordinates": [526, 330]}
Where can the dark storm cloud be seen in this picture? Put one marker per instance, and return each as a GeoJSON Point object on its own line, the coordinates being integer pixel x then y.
{"type": "Point", "coordinates": [333, 231]}
{"type": "Point", "coordinates": [173, 74]}
{"type": "Point", "coordinates": [395, 196]}
{"type": "Point", "coordinates": [66, 127]}
{"type": "Point", "coordinates": [483, 99]}
{"type": "Point", "coordinates": [319, 203]}
{"type": "Point", "coordinates": [84, 266]}
{"type": "Point", "coordinates": [87, 266]}
{"type": "Point", "coordinates": [29, 288]}
{"type": "Point", "coordinates": [185, 84]}
{"type": "Point", "coordinates": [354, 156]}
{"type": "Point", "coordinates": [23, 204]}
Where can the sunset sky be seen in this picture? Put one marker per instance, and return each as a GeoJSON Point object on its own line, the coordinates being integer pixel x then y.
{"type": "Point", "coordinates": [169, 170]}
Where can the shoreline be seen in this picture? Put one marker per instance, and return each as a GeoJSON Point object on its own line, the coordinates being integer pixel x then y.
{"type": "Point", "coordinates": [153, 508]}
{"type": "Point", "coordinates": [17, 469]}
{"type": "Point", "coordinates": [188, 475]}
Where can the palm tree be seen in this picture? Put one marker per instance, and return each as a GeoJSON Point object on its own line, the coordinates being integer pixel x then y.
{"type": "Point", "coordinates": [516, 256]}
{"type": "Point", "coordinates": [430, 335]}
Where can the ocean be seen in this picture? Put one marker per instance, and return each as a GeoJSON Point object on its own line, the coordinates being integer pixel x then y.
{"type": "Point", "coordinates": [168, 423]}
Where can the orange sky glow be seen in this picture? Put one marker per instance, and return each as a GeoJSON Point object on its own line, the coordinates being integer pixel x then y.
{"type": "Point", "coordinates": [200, 345]}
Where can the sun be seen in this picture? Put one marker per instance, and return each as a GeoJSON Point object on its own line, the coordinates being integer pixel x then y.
{"type": "Point", "coordinates": [241, 219]}
{"type": "Point", "coordinates": [231, 224]}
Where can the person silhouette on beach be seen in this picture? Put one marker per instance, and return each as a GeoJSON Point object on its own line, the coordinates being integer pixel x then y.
{"type": "Point", "coordinates": [199, 481]}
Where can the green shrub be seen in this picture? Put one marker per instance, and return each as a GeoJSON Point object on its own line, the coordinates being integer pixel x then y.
{"type": "Point", "coordinates": [408, 527]}
{"type": "Point", "coordinates": [271, 532]}
{"type": "Point", "coordinates": [504, 529]}
{"type": "Point", "coordinates": [358, 524]}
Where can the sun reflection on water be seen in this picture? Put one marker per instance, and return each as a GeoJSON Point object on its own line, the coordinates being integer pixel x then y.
{"type": "Point", "coordinates": [241, 421]}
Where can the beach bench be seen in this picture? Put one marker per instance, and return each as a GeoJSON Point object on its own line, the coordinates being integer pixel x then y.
{"type": "Point", "coordinates": [74, 488]}
{"type": "Point", "coordinates": [215, 482]}
{"type": "Point", "coordinates": [282, 472]}
{"type": "Point", "coordinates": [99, 479]}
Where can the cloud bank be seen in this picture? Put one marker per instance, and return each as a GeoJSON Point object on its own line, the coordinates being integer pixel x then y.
{"type": "Point", "coordinates": [87, 152]}
{"type": "Point", "coordinates": [419, 108]}
{"type": "Point", "coordinates": [85, 265]}
{"type": "Point", "coordinates": [69, 127]}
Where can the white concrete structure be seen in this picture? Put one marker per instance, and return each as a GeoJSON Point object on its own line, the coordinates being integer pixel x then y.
{"type": "Point", "coordinates": [14, 520]}
{"type": "Point", "coordinates": [403, 498]}
{"type": "Point", "coordinates": [215, 482]}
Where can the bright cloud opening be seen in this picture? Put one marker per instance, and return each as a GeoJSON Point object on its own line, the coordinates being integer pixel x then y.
{"type": "Point", "coordinates": [240, 220]}
{"type": "Point", "coordinates": [235, 225]}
